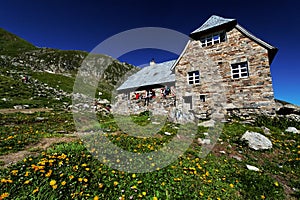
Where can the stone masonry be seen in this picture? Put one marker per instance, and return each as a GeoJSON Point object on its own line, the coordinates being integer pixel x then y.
{"type": "Point", "coordinates": [254, 93]}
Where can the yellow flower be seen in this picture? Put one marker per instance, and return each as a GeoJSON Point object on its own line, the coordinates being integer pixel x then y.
{"type": "Point", "coordinates": [63, 183]}
{"type": "Point", "coordinates": [52, 182]}
{"type": "Point", "coordinates": [133, 187]}
{"type": "Point", "coordinates": [144, 193]}
{"type": "Point", "coordinates": [96, 198]}
{"type": "Point", "coordinates": [276, 183]}
{"type": "Point", "coordinates": [115, 183]}
{"type": "Point", "coordinates": [27, 174]}
{"type": "Point", "coordinates": [139, 182]}
{"type": "Point", "coordinates": [71, 177]}
{"type": "Point", "coordinates": [263, 196]}
{"type": "Point", "coordinates": [84, 165]}
{"type": "Point", "coordinates": [35, 190]}
{"type": "Point", "coordinates": [154, 198]}
{"type": "Point", "coordinates": [85, 180]}
{"type": "Point", "coordinates": [4, 195]}
{"type": "Point", "coordinates": [87, 169]}
{"type": "Point", "coordinates": [27, 182]}
{"type": "Point", "coordinates": [49, 173]}
{"type": "Point", "coordinates": [14, 172]}
{"type": "Point", "coordinates": [231, 185]}
{"type": "Point", "coordinates": [133, 175]}
{"type": "Point", "coordinates": [100, 185]}
{"type": "Point", "coordinates": [80, 179]}
{"type": "Point", "coordinates": [201, 193]}
{"type": "Point", "coordinates": [54, 187]}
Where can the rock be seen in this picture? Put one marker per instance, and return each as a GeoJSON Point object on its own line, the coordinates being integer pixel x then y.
{"type": "Point", "coordinates": [253, 168]}
{"type": "Point", "coordinates": [17, 107]}
{"type": "Point", "coordinates": [167, 133]}
{"type": "Point", "coordinates": [237, 158]}
{"type": "Point", "coordinates": [39, 118]}
{"type": "Point", "coordinates": [291, 130]}
{"type": "Point", "coordinates": [203, 141]}
{"type": "Point", "coordinates": [256, 141]}
{"type": "Point", "coordinates": [222, 152]}
{"type": "Point", "coordinates": [26, 106]}
{"type": "Point", "coordinates": [266, 131]}
{"type": "Point", "coordinates": [209, 123]}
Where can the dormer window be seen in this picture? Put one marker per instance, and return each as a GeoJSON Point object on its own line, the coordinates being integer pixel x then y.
{"type": "Point", "coordinates": [193, 77]}
{"type": "Point", "coordinates": [213, 39]}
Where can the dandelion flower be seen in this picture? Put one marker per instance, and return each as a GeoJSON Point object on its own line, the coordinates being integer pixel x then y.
{"type": "Point", "coordinates": [63, 183]}
{"type": "Point", "coordinates": [96, 198]}
{"type": "Point", "coordinates": [144, 193]}
{"type": "Point", "coordinates": [27, 182]}
{"type": "Point", "coordinates": [4, 195]}
{"type": "Point", "coordinates": [35, 190]}
{"type": "Point", "coordinates": [154, 198]}
{"type": "Point", "coordinates": [231, 185]}
{"type": "Point", "coordinates": [116, 183]}
{"type": "Point", "coordinates": [133, 175]}
{"type": "Point", "coordinates": [100, 185]}
{"type": "Point", "coordinates": [52, 182]}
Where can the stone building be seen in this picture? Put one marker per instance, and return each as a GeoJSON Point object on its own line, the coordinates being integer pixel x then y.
{"type": "Point", "coordinates": [222, 66]}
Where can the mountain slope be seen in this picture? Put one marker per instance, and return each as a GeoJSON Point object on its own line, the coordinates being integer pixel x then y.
{"type": "Point", "coordinates": [52, 69]}
{"type": "Point", "coordinates": [11, 44]}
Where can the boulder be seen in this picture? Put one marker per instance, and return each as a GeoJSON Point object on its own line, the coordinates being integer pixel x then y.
{"type": "Point", "coordinates": [291, 130]}
{"type": "Point", "coordinates": [256, 141]}
{"type": "Point", "coordinates": [253, 168]}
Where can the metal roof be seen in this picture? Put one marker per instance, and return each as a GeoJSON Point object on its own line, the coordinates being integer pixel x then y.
{"type": "Point", "coordinates": [213, 22]}
{"type": "Point", "coordinates": [151, 75]}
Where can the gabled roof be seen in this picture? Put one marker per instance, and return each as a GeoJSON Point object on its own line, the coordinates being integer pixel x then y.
{"type": "Point", "coordinates": [156, 74]}
{"type": "Point", "coordinates": [213, 22]}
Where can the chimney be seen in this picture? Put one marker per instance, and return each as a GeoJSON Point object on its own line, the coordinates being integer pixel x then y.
{"type": "Point", "coordinates": [152, 62]}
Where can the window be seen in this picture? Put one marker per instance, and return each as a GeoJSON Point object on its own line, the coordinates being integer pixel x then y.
{"type": "Point", "coordinates": [239, 70]}
{"type": "Point", "coordinates": [202, 98]}
{"type": "Point", "coordinates": [213, 39]}
{"type": "Point", "coordinates": [193, 77]}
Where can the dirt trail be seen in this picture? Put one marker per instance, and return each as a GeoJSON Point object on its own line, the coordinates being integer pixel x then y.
{"type": "Point", "coordinates": [45, 143]}
{"type": "Point", "coordinates": [26, 111]}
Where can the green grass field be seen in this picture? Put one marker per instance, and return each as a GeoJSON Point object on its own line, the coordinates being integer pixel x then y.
{"type": "Point", "coordinates": [69, 171]}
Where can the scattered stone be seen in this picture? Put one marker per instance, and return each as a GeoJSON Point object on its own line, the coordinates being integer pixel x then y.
{"type": "Point", "coordinates": [266, 131]}
{"type": "Point", "coordinates": [291, 130]}
{"type": "Point", "coordinates": [206, 134]}
{"type": "Point", "coordinates": [209, 123]}
{"type": "Point", "coordinates": [39, 119]}
{"type": "Point", "coordinates": [256, 141]}
{"type": "Point", "coordinates": [18, 107]}
{"type": "Point", "coordinates": [222, 152]}
{"type": "Point", "coordinates": [4, 99]}
{"type": "Point", "coordinates": [203, 141]}
{"type": "Point", "coordinates": [167, 133]}
{"type": "Point", "coordinates": [26, 106]}
{"type": "Point", "coordinates": [156, 123]}
{"type": "Point", "coordinates": [237, 158]}
{"type": "Point", "coordinates": [253, 168]}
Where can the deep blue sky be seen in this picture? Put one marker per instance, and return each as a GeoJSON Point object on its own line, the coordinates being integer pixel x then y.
{"type": "Point", "coordinates": [82, 25]}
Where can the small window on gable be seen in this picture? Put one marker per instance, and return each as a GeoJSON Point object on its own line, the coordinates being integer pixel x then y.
{"type": "Point", "coordinates": [213, 39]}
{"type": "Point", "coordinates": [202, 98]}
{"type": "Point", "coordinates": [194, 77]}
{"type": "Point", "coordinates": [239, 70]}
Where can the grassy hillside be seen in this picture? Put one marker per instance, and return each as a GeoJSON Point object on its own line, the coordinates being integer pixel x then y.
{"type": "Point", "coordinates": [11, 44]}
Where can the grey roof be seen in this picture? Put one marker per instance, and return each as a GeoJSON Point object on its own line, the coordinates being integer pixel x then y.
{"type": "Point", "coordinates": [212, 22]}
{"type": "Point", "coordinates": [151, 75]}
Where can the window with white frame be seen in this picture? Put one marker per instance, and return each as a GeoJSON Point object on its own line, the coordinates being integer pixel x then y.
{"type": "Point", "coordinates": [194, 77]}
{"type": "Point", "coordinates": [213, 39]}
{"type": "Point", "coordinates": [239, 70]}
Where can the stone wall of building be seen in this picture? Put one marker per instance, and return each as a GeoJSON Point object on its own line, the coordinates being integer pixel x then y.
{"type": "Point", "coordinates": [218, 87]}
